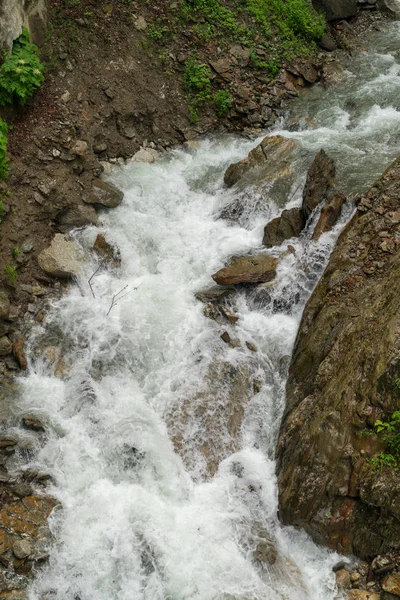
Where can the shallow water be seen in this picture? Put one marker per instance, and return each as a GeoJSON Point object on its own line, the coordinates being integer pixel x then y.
{"type": "Point", "coordinates": [140, 521]}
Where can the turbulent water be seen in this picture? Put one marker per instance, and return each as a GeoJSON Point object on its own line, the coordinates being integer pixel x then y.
{"type": "Point", "coordinates": [141, 521]}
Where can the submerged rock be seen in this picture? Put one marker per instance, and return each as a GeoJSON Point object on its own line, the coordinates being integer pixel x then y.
{"type": "Point", "coordinates": [330, 214]}
{"type": "Point", "coordinates": [104, 194]}
{"type": "Point", "coordinates": [60, 259]}
{"type": "Point", "coordinates": [19, 353]}
{"type": "Point", "coordinates": [320, 180]}
{"type": "Point", "coordinates": [247, 269]}
{"type": "Point", "coordinates": [336, 9]}
{"type": "Point", "coordinates": [290, 224]}
{"type": "Point", "coordinates": [341, 379]}
{"type": "Point", "coordinates": [106, 252]}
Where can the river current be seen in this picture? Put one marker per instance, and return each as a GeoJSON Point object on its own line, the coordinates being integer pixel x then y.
{"type": "Point", "coordinates": [140, 521]}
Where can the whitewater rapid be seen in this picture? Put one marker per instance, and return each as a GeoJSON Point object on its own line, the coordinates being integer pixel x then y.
{"type": "Point", "coordinates": [140, 521]}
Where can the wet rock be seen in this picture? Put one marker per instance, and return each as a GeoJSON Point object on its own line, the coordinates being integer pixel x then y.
{"type": "Point", "coordinates": [305, 70]}
{"type": "Point", "coordinates": [106, 252]}
{"type": "Point", "coordinates": [214, 294]}
{"type": "Point", "coordinates": [343, 579]}
{"type": "Point", "coordinates": [60, 259]}
{"type": "Point", "coordinates": [330, 214]}
{"type": "Point", "coordinates": [290, 224]}
{"type": "Point", "coordinates": [233, 342]}
{"type": "Point", "coordinates": [22, 549]}
{"type": "Point", "coordinates": [79, 215]}
{"type": "Point", "coordinates": [265, 551]}
{"type": "Point", "coordinates": [251, 346]}
{"type": "Point", "coordinates": [345, 360]}
{"type": "Point", "coordinates": [4, 305]}
{"type": "Point", "coordinates": [19, 353]}
{"type": "Point", "coordinates": [319, 182]}
{"type": "Point", "coordinates": [33, 424]}
{"type": "Point", "coordinates": [8, 440]}
{"type": "Point", "coordinates": [104, 194]}
{"type": "Point", "coordinates": [212, 418]}
{"type": "Point", "coordinates": [391, 583]}
{"type": "Point", "coordinates": [336, 9]}
{"type": "Point", "coordinates": [268, 158]}
{"type": "Point", "coordinates": [22, 490]}
{"type": "Point", "coordinates": [5, 346]}
{"type": "Point", "coordinates": [247, 269]}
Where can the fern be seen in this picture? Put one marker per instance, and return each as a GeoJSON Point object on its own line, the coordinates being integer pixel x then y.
{"type": "Point", "coordinates": [21, 74]}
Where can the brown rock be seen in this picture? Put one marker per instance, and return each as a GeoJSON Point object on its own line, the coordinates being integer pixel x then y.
{"type": "Point", "coordinates": [104, 194]}
{"type": "Point", "coordinates": [76, 216]}
{"type": "Point", "coordinates": [391, 583]}
{"type": "Point", "coordinates": [343, 579]}
{"type": "Point", "coordinates": [320, 180]}
{"type": "Point", "coordinates": [362, 595]}
{"type": "Point", "coordinates": [330, 214]}
{"type": "Point", "coordinates": [106, 252]}
{"type": "Point", "coordinates": [32, 423]}
{"type": "Point", "coordinates": [290, 224]}
{"type": "Point", "coordinates": [19, 353]}
{"type": "Point", "coordinates": [222, 65]}
{"type": "Point", "coordinates": [80, 148]}
{"type": "Point", "coordinates": [4, 305]}
{"type": "Point", "coordinates": [248, 269]}
{"type": "Point", "coordinates": [60, 259]}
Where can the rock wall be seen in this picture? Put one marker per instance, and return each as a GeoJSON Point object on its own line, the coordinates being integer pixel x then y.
{"type": "Point", "coordinates": [14, 14]}
{"type": "Point", "coordinates": [341, 379]}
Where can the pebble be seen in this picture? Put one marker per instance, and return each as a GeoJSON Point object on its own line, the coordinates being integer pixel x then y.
{"type": "Point", "coordinates": [22, 549]}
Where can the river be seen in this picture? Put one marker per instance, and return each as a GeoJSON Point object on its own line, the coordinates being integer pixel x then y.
{"type": "Point", "coordinates": [140, 521]}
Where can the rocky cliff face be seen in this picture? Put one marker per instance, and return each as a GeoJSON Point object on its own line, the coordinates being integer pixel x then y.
{"type": "Point", "coordinates": [14, 14]}
{"type": "Point", "coordinates": [341, 380]}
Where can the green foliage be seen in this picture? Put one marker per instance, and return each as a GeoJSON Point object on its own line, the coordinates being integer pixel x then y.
{"type": "Point", "coordinates": [389, 431]}
{"type": "Point", "coordinates": [11, 272]}
{"type": "Point", "coordinates": [2, 210]}
{"type": "Point", "coordinates": [223, 102]}
{"type": "Point", "coordinates": [197, 82]}
{"type": "Point", "coordinates": [3, 151]}
{"type": "Point", "coordinates": [15, 252]}
{"type": "Point", "coordinates": [21, 74]}
{"type": "Point", "coordinates": [157, 32]}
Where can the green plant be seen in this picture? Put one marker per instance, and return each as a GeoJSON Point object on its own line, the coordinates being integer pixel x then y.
{"type": "Point", "coordinates": [21, 73]}
{"type": "Point", "coordinates": [15, 252]}
{"type": "Point", "coordinates": [389, 431]}
{"type": "Point", "coordinates": [2, 211]}
{"type": "Point", "coordinates": [223, 102]}
{"type": "Point", "coordinates": [11, 272]}
{"type": "Point", "coordinates": [157, 32]}
{"type": "Point", "coordinates": [196, 76]}
{"type": "Point", "coordinates": [3, 150]}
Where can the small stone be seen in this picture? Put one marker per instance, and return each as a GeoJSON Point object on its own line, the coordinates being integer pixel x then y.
{"type": "Point", "coordinates": [231, 318]}
{"type": "Point", "coordinates": [251, 347]}
{"type": "Point", "coordinates": [80, 148]}
{"type": "Point", "coordinates": [27, 246]}
{"type": "Point", "coordinates": [146, 155]}
{"type": "Point", "coordinates": [355, 576]}
{"type": "Point", "coordinates": [100, 147]}
{"type": "Point", "coordinates": [4, 305]}
{"type": "Point", "coordinates": [66, 96]}
{"type": "Point", "coordinates": [22, 549]}
{"type": "Point", "coordinates": [46, 187]}
{"type": "Point", "coordinates": [5, 346]}
{"type": "Point", "coordinates": [8, 440]}
{"type": "Point", "coordinates": [141, 24]}
{"type": "Point", "coordinates": [56, 153]}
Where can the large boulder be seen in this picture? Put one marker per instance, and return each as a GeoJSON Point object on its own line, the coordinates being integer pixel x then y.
{"type": "Point", "coordinates": [247, 269]}
{"type": "Point", "coordinates": [335, 10]}
{"type": "Point", "coordinates": [269, 159]}
{"type": "Point", "coordinates": [290, 224]}
{"type": "Point", "coordinates": [319, 182]}
{"type": "Point", "coordinates": [104, 194]}
{"type": "Point", "coordinates": [60, 259]}
{"type": "Point", "coordinates": [390, 7]}
{"type": "Point", "coordinates": [77, 215]}
{"type": "Point", "coordinates": [341, 379]}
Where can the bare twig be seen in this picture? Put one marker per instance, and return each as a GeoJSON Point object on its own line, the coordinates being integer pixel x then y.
{"type": "Point", "coordinates": [95, 273]}
{"type": "Point", "coordinates": [116, 298]}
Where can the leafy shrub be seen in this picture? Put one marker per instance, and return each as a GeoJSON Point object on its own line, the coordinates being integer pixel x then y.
{"type": "Point", "coordinates": [389, 431]}
{"type": "Point", "coordinates": [3, 150]}
{"type": "Point", "coordinates": [223, 102]}
{"type": "Point", "coordinates": [196, 76]}
{"type": "Point", "coordinates": [21, 74]}
{"type": "Point", "coordinates": [157, 32]}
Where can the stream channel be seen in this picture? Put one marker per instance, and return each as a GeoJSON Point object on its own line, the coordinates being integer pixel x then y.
{"type": "Point", "coordinates": [168, 490]}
